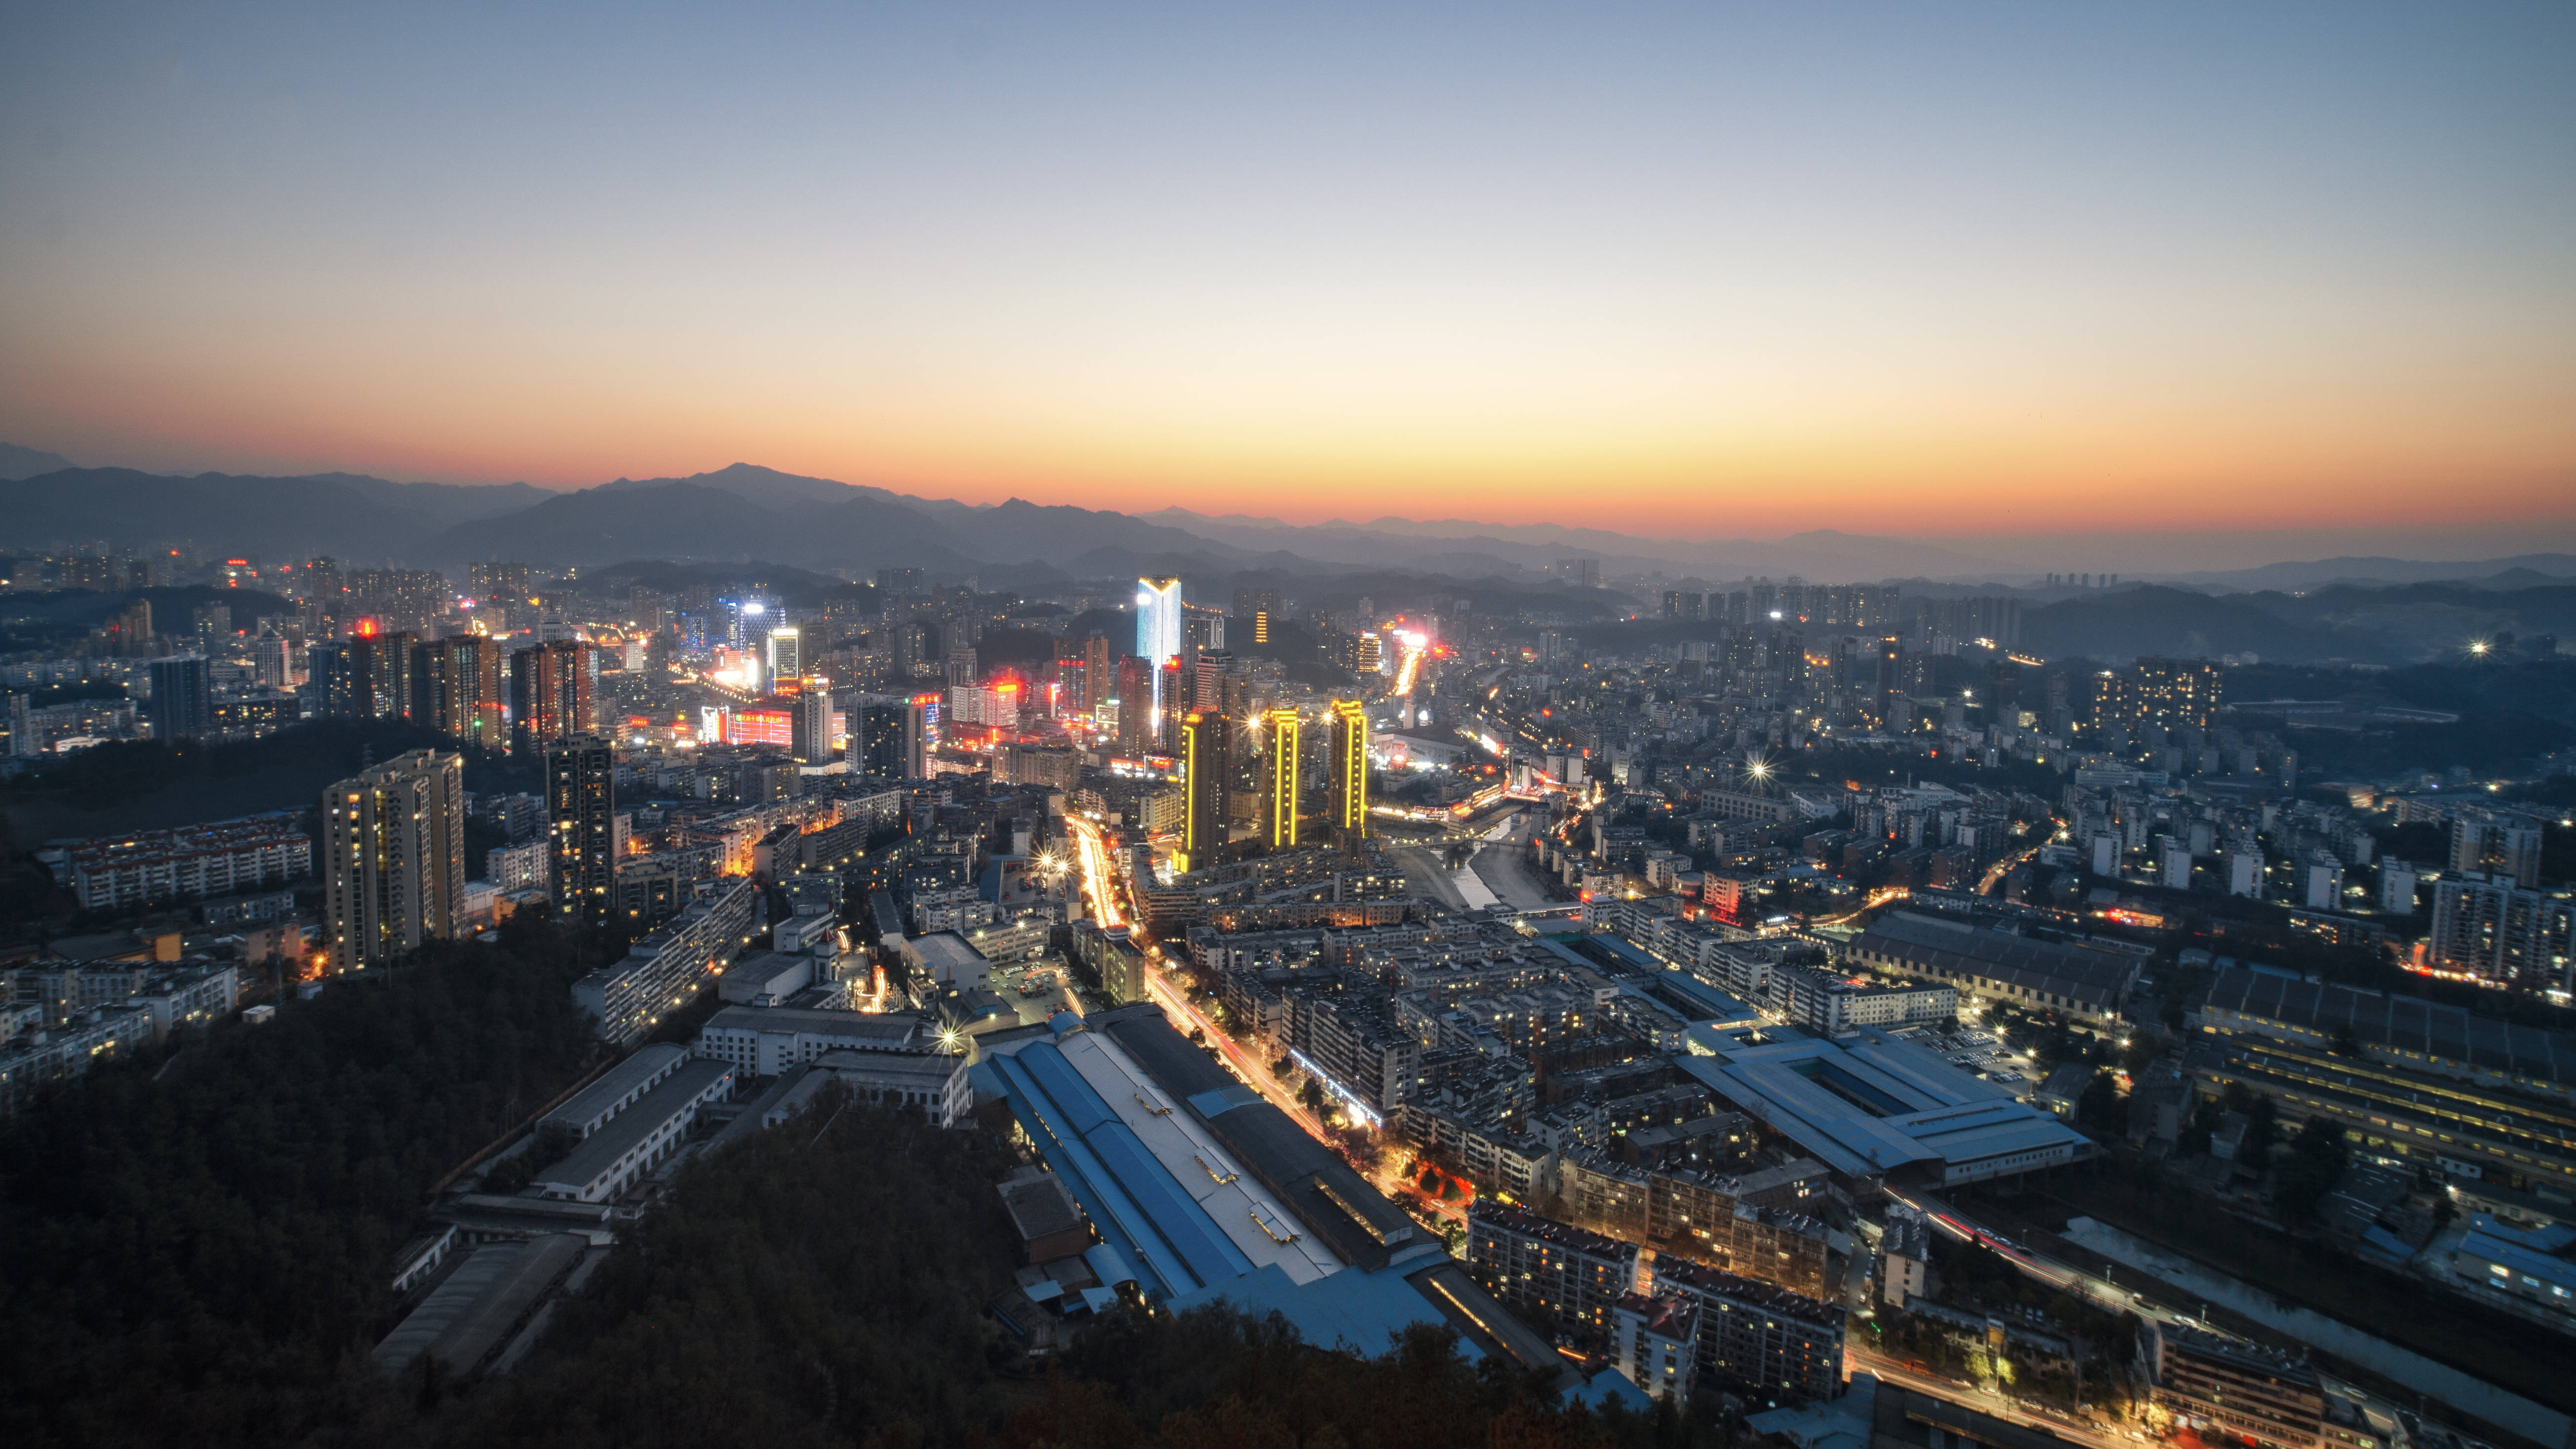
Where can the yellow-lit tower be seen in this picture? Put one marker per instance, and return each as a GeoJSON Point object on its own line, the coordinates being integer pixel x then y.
{"type": "Point", "coordinates": [1281, 796]}
{"type": "Point", "coordinates": [1203, 742]}
{"type": "Point", "coordinates": [1350, 770]}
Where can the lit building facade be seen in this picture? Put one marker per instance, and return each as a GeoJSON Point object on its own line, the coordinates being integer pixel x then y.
{"type": "Point", "coordinates": [1280, 792]}
{"type": "Point", "coordinates": [1158, 637]}
{"type": "Point", "coordinates": [456, 684]}
{"type": "Point", "coordinates": [393, 859]}
{"type": "Point", "coordinates": [1350, 766]}
{"type": "Point", "coordinates": [581, 814]}
{"type": "Point", "coordinates": [551, 689]}
{"type": "Point", "coordinates": [1204, 741]}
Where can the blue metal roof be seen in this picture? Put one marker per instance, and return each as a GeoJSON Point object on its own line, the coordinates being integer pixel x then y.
{"type": "Point", "coordinates": [1351, 1309]}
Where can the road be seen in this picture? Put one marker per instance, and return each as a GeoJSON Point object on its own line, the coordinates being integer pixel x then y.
{"type": "Point", "coordinates": [1996, 872]}
{"type": "Point", "coordinates": [1504, 866]}
{"type": "Point", "coordinates": [1103, 888]}
{"type": "Point", "coordinates": [1099, 881]}
{"type": "Point", "coordinates": [2104, 1293]}
{"type": "Point", "coordinates": [1857, 1359]}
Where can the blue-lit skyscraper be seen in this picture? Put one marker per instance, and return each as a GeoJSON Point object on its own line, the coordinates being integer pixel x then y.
{"type": "Point", "coordinates": [1158, 633]}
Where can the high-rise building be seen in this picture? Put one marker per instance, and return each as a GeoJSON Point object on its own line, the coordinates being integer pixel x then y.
{"type": "Point", "coordinates": [272, 662]}
{"type": "Point", "coordinates": [456, 689]}
{"type": "Point", "coordinates": [393, 859]}
{"type": "Point", "coordinates": [1280, 793]}
{"type": "Point", "coordinates": [876, 738]}
{"type": "Point", "coordinates": [1135, 698]}
{"type": "Point", "coordinates": [1350, 766]}
{"type": "Point", "coordinates": [2173, 694]}
{"type": "Point", "coordinates": [1099, 671]}
{"type": "Point", "coordinates": [328, 680]}
{"type": "Point", "coordinates": [183, 698]}
{"type": "Point", "coordinates": [1207, 684]}
{"type": "Point", "coordinates": [920, 735]}
{"type": "Point", "coordinates": [1206, 745]}
{"type": "Point", "coordinates": [581, 821]}
{"type": "Point", "coordinates": [786, 654]}
{"type": "Point", "coordinates": [380, 684]}
{"type": "Point", "coordinates": [1158, 641]}
{"type": "Point", "coordinates": [551, 692]}
{"type": "Point", "coordinates": [811, 738]}
{"type": "Point", "coordinates": [1887, 678]}
{"type": "Point", "coordinates": [1201, 629]}
{"type": "Point", "coordinates": [505, 585]}
{"type": "Point", "coordinates": [25, 740]}
{"type": "Point", "coordinates": [2499, 931]}
{"type": "Point", "coordinates": [2496, 846]}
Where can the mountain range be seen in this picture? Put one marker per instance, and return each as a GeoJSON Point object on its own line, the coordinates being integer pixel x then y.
{"type": "Point", "coordinates": [746, 512]}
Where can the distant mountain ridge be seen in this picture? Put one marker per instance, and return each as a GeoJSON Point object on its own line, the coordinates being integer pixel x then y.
{"type": "Point", "coordinates": [745, 511]}
{"type": "Point", "coordinates": [17, 462]}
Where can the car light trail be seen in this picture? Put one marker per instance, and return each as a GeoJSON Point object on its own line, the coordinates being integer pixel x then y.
{"type": "Point", "coordinates": [1096, 885]}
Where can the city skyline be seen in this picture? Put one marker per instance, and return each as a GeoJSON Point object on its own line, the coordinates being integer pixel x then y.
{"type": "Point", "coordinates": [1713, 273]}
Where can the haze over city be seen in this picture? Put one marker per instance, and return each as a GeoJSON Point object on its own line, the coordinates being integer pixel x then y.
{"type": "Point", "coordinates": [1624, 726]}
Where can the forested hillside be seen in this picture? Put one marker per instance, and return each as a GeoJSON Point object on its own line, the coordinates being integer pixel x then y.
{"type": "Point", "coordinates": [197, 1250]}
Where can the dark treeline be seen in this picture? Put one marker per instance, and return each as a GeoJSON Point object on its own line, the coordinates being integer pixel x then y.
{"type": "Point", "coordinates": [197, 1249]}
{"type": "Point", "coordinates": [121, 771]}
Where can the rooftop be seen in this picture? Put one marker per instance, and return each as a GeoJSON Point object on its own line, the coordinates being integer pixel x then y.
{"type": "Point", "coordinates": [2403, 1024]}
{"type": "Point", "coordinates": [1750, 1292]}
{"type": "Point", "coordinates": [887, 1031]}
{"type": "Point", "coordinates": [1216, 1194]}
{"type": "Point", "coordinates": [601, 1150]}
{"type": "Point", "coordinates": [1871, 1104]}
{"type": "Point", "coordinates": [1565, 1235]}
{"type": "Point", "coordinates": [2077, 972]}
{"type": "Point", "coordinates": [644, 1065]}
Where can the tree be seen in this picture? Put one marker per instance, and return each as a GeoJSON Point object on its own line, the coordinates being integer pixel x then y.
{"type": "Point", "coordinates": [2101, 1108]}
{"type": "Point", "coordinates": [2312, 1168]}
{"type": "Point", "coordinates": [1312, 1094]}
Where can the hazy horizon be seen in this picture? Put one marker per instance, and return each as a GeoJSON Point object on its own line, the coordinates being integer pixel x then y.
{"type": "Point", "coordinates": [1982, 272]}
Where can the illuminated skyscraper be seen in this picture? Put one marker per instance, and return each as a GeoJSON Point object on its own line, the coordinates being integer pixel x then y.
{"type": "Point", "coordinates": [1350, 770]}
{"type": "Point", "coordinates": [1099, 677]}
{"type": "Point", "coordinates": [811, 739]}
{"type": "Point", "coordinates": [380, 683]}
{"type": "Point", "coordinates": [581, 813]}
{"type": "Point", "coordinates": [1205, 738]}
{"type": "Point", "coordinates": [551, 689]}
{"type": "Point", "coordinates": [877, 740]}
{"type": "Point", "coordinates": [1158, 638]}
{"type": "Point", "coordinates": [1135, 696]}
{"type": "Point", "coordinates": [786, 654]}
{"type": "Point", "coordinates": [920, 735]}
{"type": "Point", "coordinates": [1173, 694]}
{"type": "Point", "coordinates": [2173, 694]}
{"type": "Point", "coordinates": [1280, 794]}
{"type": "Point", "coordinates": [1888, 677]}
{"type": "Point", "coordinates": [393, 859]}
{"type": "Point", "coordinates": [456, 689]}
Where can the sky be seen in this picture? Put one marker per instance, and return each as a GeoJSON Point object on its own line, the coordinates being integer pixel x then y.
{"type": "Point", "coordinates": [1944, 271]}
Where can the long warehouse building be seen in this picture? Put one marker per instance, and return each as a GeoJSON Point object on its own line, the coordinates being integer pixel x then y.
{"type": "Point", "coordinates": [1208, 1193]}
